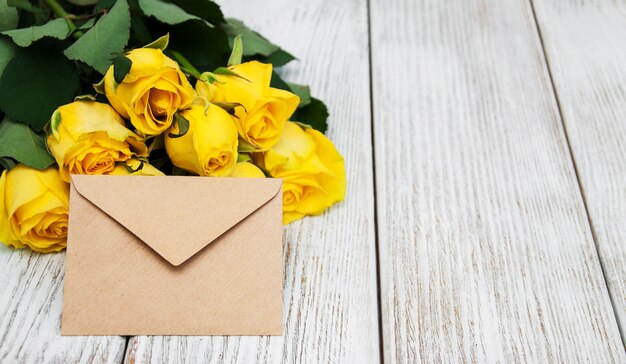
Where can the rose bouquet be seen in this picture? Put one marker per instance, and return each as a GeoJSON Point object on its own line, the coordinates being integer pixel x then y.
{"type": "Point", "coordinates": [147, 87]}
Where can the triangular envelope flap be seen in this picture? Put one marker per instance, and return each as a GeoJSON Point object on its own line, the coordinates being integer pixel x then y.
{"type": "Point", "coordinates": [176, 216]}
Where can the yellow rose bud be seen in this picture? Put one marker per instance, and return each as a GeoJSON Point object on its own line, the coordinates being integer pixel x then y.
{"type": "Point", "coordinates": [265, 110]}
{"type": "Point", "coordinates": [209, 147]}
{"type": "Point", "coordinates": [33, 209]}
{"type": "Point", "coordinates": [140, 169]}
{"type": "Point", "coordinates": [312, 170]}
{"type": "Point", "coordinates": [89, 137]}
{"type": "Point", "coordinates": [152, 91]}
{"type": "Point", "coordinates": [246, 170]}
{"type": "Point", "coordinates": [205, 89]}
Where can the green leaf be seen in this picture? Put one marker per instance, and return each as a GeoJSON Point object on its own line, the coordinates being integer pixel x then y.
{"type": "Point", "coordinates": [255, 43]}
{"type": "Point", "coordinates": [121, 67]}
{"type": "Point", "coordinates": [77, 98]}
{"type": "Point", "coordinates": [205, 9]}
{"type": "Point", "coordinates": [130, 169]}
{"type": "Point", "coordinates": [104, 4]}
{"type": "Point", "coordinates": [302, 125]}
{"type": "Point", "coordinates": [8, 16]}
{"type": "Point", "coordinates": [108, 37]}
{"type": "Point", "coordinates": [160, 43]}
{"type": "Point", "coordinates": [19, 142]}
{"type": "Point", "coordinates": [229, 107]}
{"type": "Point", "coordinates": [278, 58]}
{"type": "Point", "coordinates": [303, 92]}
{"type": "Point", "coordinates": [25, 5]}
{"type": "Point", "coordinates": [227, 72]}
{"type": "Point", "coordinates": [235, 55]}
{"type": "Point", "coordinates": [99, 87]}
{"type": "Point", "coordinates": [24, 37]}
{"type": "Point", "coordinates": [243, 157]}
{"type": "Point", "coordinates": [206, 50]}
{"type": "Point", "coordinates": [88, 24]}
{"type": "Point", "coordinates": [36, 82]}
{"type": "Point", "coordinates": [55, 121]}
{"type": "Point", "coordinates": [82, 2]}
{"type": "Point", "coordinates": [314, 114]}
{"type": "Point", "coordinates": [158, 142]}
{"type": "Point", "coordinates": [245, 147]}
{"type": "Point", "coordinates": [278, 82]}
{"type": "Point", "coordinates": [139, 32]}
{"type": "Point", "coordinates": [7, 51]}
{"type": "Point", "coordinates": [6, 163]}
{"type": "Point", "coordinates": [183, 126]}
{"type": "Point", "coordinates": [165, 12]}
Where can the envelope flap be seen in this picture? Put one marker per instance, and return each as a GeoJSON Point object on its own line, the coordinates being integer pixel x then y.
{"type": "Point", "coordinates": [176, 216]}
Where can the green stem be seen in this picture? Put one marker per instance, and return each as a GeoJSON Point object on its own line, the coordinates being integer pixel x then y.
{"type": "Point", "coordinates": [58, 10]}
{"type": "Point", "coordinates": [185, 65]}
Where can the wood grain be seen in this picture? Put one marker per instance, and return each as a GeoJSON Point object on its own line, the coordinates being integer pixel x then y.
{"type": "Point", "coordinates": [31, 296]}
{"type": "Point", "coordinates": [330, 298]}
{"type": "Point", "coordinates": [486, 254]}
{"type": "Point", "coordinates": [585, 42]}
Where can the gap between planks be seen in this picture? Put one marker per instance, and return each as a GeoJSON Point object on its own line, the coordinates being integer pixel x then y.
{"type": "Point", "coordinates": [381, 336]}
{"type": "Point", "coordinates": [583, 197]}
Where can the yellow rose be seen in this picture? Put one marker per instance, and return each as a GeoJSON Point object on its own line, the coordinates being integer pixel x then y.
{"type": "Point", "coordinates": [261, 119]}
{"type": "Point", "coordinates": [312, 170]}
{"type": "Point", "coordinates": [151, 92]}
{"type": "Point", "coordinates": [33, 209]}
{"type": "Point", "coordinates": [89, 137]}
{"type": "Point", "coordinates": [146, 169]}
{"type": "Point", "coordinates": [209, 147]}
{"type": "Point", "coordinates": [246, 170]}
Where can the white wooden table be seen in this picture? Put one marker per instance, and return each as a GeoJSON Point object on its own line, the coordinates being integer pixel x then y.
{"type": "Point", "coordinates": [485, 146]}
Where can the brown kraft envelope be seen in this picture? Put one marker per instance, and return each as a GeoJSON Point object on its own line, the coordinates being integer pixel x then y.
{"type": "Point", "coordinates": [173, 256]}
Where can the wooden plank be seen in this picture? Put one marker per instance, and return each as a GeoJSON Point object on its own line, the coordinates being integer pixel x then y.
{"type": "Point", "coordinates": [585, 43]}
{"type": "Point", "coordinates": [485, 250]}
{"type": "Point", "coordinates": [330, 297]}
{"type": "Point", "coordinates": [31, 296]}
